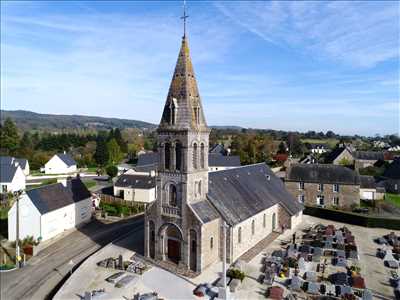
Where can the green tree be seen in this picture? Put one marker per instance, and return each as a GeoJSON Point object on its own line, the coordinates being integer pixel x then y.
{"type": "Point", "coordinates": [112, 171]}
{"type": "Point", "coordinates": [101, 155]}
{"type": "Point", "coordinates": [121, 143]}
{"type": "Point", "coordinates": [114, 151]}
{"type": "Point", "coordinates": [9, 138]}
{"type": "Point", "coordinates": [281, 148]}
{"type": "Point", "coordinates": [26, 146]}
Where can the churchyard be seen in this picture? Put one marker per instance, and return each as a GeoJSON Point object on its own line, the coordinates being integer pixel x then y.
{"type": "Point", "coordinates": [329, 257]}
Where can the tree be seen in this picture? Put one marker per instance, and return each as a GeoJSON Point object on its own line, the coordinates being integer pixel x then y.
{"type": "Point", "coordinates": [9, 138]}
{"type": "Point", "coordinates": [282, 148]}
{"type": "Point", "coordinates": [114, 152]}
{"type": "Point", "coordinates": [26, 146]}
{"type": "Point", "coordinates": [296, 147]}
{"type": "Point", "coordinates": [101, 155]}
{"type": "Point", "coordinates": [112, 171]}
{"type": "Point", "coordinates": [121, 143]}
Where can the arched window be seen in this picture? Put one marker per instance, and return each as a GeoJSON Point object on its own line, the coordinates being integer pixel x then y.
{"type": "Point", "coordinates": [202, 156]}
{"type": "Point", "coordinates": [172, 195]}
{"type": "Point", "coordinates": [178, 156]}
{"type": "Point", "coordinates": [253, 227]}
{"type": "Point", "coordinates": [195, 156]}
{"type": "Point", "coordinates": [264, 220]}
{"type": "Point", "coordinates": [167, 156]}
{"type": "Point", "coordinates": [240, 235]}
{"type": "Point", "coordinates": [273, 221]}
{"type": "Point", "coordinates": [211, 242]}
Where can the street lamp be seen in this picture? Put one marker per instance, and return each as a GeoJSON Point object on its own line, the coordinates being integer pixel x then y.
{"type": "Point", "coordinates": [17, 194]}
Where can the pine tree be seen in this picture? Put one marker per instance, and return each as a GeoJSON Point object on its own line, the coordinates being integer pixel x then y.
{"type": "Point", "coordinates": [101, 155]}
{"type": "Point", "coordinates": [9, 138]}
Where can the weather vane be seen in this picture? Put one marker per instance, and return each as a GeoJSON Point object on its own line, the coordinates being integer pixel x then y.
{"type": "Point", "coordinates": [184, 17]}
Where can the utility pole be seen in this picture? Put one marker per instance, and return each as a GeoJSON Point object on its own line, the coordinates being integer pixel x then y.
{"type": "Point", "coordinates": [17, 249]}
{"type": "Point", "coordinates": [224, 292]}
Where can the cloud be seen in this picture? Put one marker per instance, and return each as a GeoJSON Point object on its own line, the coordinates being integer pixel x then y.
{"type": "Point", "coordinates": [360, 34]}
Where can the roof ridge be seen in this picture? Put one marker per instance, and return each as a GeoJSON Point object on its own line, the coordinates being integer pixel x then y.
{"type": "Point", "coordinates": [240, 167]}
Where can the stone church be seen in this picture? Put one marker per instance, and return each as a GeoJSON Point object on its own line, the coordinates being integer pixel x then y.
{"type": "Point", "coordinates": [183, 225]}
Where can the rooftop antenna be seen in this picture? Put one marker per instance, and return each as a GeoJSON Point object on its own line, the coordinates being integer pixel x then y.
{"type": "Point", "coordinates": [184, 17]}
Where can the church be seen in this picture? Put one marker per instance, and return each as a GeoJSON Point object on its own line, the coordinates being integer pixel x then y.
{"type": "Point", "coordinates": [183, 226]}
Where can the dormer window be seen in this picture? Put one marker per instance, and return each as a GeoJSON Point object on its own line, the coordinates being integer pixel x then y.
{"type": "Point", "coordinates": [197, 114]}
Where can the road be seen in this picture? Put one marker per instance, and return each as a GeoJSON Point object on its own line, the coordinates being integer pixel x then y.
{"type": "Point", "coordinates": [45, 271]}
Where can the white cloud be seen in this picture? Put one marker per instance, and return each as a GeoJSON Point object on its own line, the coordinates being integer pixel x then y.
{"type": "Point", "coordinates": [360, 34]}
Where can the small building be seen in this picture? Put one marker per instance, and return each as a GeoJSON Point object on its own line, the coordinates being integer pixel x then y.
{"type": "Point", "coordinates": [60, 163]}
{"type": "Point", "coordinates": [341, 155]}
{"type": "Point", "coordinates": [12, 176]}
{"type": "Point", "coordinates": [318, 148]}
{"type": "Point", "coordinates": [49, 210]}
{"type": "Point", "coordinates": [369, 189]}
{"type": "Point", "coordinates": [324, 185]}
{"type": "Point", "coordinates": [138, 187]}
{"type": "Point", "coordinates": [363, 159]}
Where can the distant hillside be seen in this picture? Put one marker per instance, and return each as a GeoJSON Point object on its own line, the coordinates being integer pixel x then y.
{"type": "Point", "coordinates": [27, 120]}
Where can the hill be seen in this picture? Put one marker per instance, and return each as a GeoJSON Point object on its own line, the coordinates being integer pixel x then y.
{"type": "Point", "coordinates": [27, 120]}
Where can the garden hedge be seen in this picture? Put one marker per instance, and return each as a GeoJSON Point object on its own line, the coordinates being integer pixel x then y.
{"type": "Point", "coordinates": [352, 218]}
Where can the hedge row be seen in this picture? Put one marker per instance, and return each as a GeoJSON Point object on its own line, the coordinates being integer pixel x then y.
{"type": "Point", "coordinates": [352, 218]}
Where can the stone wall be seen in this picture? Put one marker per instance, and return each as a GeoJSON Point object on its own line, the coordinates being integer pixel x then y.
{"type": "Point", "coordinates": [210, 255]}
{"type": "Point", "coordinates": [348, 194]}
{"type": "Point", "coordinates": [248, 239]}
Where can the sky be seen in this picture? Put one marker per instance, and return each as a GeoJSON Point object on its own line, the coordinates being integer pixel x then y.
{"type": "Point", "coordinates": [286, 65]}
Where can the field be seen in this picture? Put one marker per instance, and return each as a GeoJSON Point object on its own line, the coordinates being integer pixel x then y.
{"type": "Point", "coordinates": [330, 142]}
{"type": "Point", "coordinates": [393, 198]}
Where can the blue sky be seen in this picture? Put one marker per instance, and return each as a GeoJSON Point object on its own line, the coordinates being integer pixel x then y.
{"type": "Point", "coordinates": [279, 65]}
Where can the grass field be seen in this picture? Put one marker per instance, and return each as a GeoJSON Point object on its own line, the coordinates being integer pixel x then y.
{"type": "Point", "coordinates": [330, 142]}
{"type": "Point", "coordinates": [393, 198]}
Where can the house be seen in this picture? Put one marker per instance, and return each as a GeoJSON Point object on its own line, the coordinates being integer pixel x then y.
{"type": "Point", "coordinates": [394, 148]}
{"type": "Point", "coordinates": [340, 155]}
{"type": "Point", "coordinates": [60, 163]}
{"type": "Point", "coordinates": [390, 180]}
{"type": "Point", "coordinates": [137, 187]}
{"type": "Point", "coordinates": [309, 159]}
{"type": "Point", "coordinates": [369, 189]}
{"type": "Point", "coordinates": [12, 176]}
{"type": "Point", "coordinates": [324, 185]}
{"type": "Point", "coordinates": [49, 210]}
{"type": "Point", "coordinates": [363, 159]}
{"type": "Point", "coordinates": [318, 148]}
{"type": "Point", "coordinates": [216, 161]}
{"type": "Point", "coordinates": [184, 224]}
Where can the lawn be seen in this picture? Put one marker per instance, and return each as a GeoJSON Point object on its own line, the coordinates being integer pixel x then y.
{"type": "Point", "coordinates": [393, 198]}
{"type": "Point", "coordinates": [89, 183]}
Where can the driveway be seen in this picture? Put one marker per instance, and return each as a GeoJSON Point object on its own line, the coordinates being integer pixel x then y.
{"type": "Point", "coordinates": [48, 269]}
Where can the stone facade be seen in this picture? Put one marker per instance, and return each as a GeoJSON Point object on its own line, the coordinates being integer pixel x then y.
{"type": "Point", "coordinates": [345, 155]}
{"type": "Point", "coordinates": [347, 195]}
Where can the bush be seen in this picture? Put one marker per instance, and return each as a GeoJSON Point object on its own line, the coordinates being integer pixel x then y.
{"type": "Point", "coordinates": [112, 171]}
{"type": "Point", "coordinates": [236, 274]}
{"type": "Point", "coordinates": [352, 218]}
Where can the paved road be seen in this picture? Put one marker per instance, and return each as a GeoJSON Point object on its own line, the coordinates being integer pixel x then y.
{"type": "Point", "coordinates": [46, 270]}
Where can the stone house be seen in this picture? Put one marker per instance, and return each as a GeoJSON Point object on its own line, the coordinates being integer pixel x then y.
{"type": "Point", "coordinates": [184, 225]}
{"type": "Point", "coordinates": [324, 185]}
{"type": "Point", "coordinates": [363, 159]}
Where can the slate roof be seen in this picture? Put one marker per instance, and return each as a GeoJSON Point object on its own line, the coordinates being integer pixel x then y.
{"type": "Point", "coordinates": [7, 172]}
{"type": "Point", "coordinates": [184, 95]}
{"type": "Point", "coordinates": [136, 181]}
{"type": "Point", "coordinates": [334, 154]}
{"type": "Point", "coordinates": [67, 159]}
{"type": "Point", "coordinates": [322, 173]}
{"type": "Point", "coordinates": [55, 196]}
{"type": "Point", "coordinates": [240, 193]}
{"type": "Point", "coordinates": [8, 160]}
{"type": "Point", "coordinates": [368, 155]}
{"type": "Point", "coordinates": [219, 160]}
{"type": "Point", "coordinates": [22, 162]}
{"type": "Point", "coordinates": [205, 211]}
{"type": "Point", "coordinates": [393, 170]}
{"type": "Point", "coordinates": [149, 158]}
{"type": "Point", "coordinates": [367, 182]}
{"type": "Point", "coordinates": [218, 148]}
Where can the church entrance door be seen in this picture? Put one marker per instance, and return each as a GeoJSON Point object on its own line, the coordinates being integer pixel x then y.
{"type": "Point", "coordinates": [174, 250]}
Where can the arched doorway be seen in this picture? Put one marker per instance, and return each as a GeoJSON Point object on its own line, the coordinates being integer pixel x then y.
{"type": "Point", "coordinates": [172, 242]}
{"type": "Point", "coordinates": [193, 250]}
{"type": "Point", "coordinates": [152, 239]}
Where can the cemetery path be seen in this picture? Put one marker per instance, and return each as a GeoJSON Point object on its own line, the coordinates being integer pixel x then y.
{"type": "Point", "coordinates": [44, 272]}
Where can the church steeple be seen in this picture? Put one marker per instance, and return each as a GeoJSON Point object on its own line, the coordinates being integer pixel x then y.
{"type": "Point", "coordinates": [183, 108]}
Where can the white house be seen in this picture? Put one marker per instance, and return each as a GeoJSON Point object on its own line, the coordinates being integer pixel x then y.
{"type": "Point", "coordinates": [47, 211]}
{"type": "Point", "coordinates": [369, 189]}
{"type": "Point", "coordinates": [138, 187]}
{"type": "Point", "coordinates": [60, 163]}
{"type": "Point", "coordinates": [12, 177]}
{"type": "Point", "coordinates": [318, 148]}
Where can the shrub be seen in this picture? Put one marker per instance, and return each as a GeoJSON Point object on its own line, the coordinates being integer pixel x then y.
{"type": "Point", "coordinates": [112, 171]}
{"type": "Point", "coordinates": [236, 274]}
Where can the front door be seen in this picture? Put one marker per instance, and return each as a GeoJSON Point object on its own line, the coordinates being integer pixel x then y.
{"type": "Point", "coordinates": [174, 251]}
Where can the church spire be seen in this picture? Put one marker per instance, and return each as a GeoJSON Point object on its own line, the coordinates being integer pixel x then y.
{"type": "Point", "coordinates": [183, 108]}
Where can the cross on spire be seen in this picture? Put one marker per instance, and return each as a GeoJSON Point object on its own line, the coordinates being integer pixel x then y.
{"type": "Point", "coordinates": [184, 17]}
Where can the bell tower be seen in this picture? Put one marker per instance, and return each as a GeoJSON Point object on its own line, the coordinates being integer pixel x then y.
{"type": "Point", "coordinates": [182, 178]}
